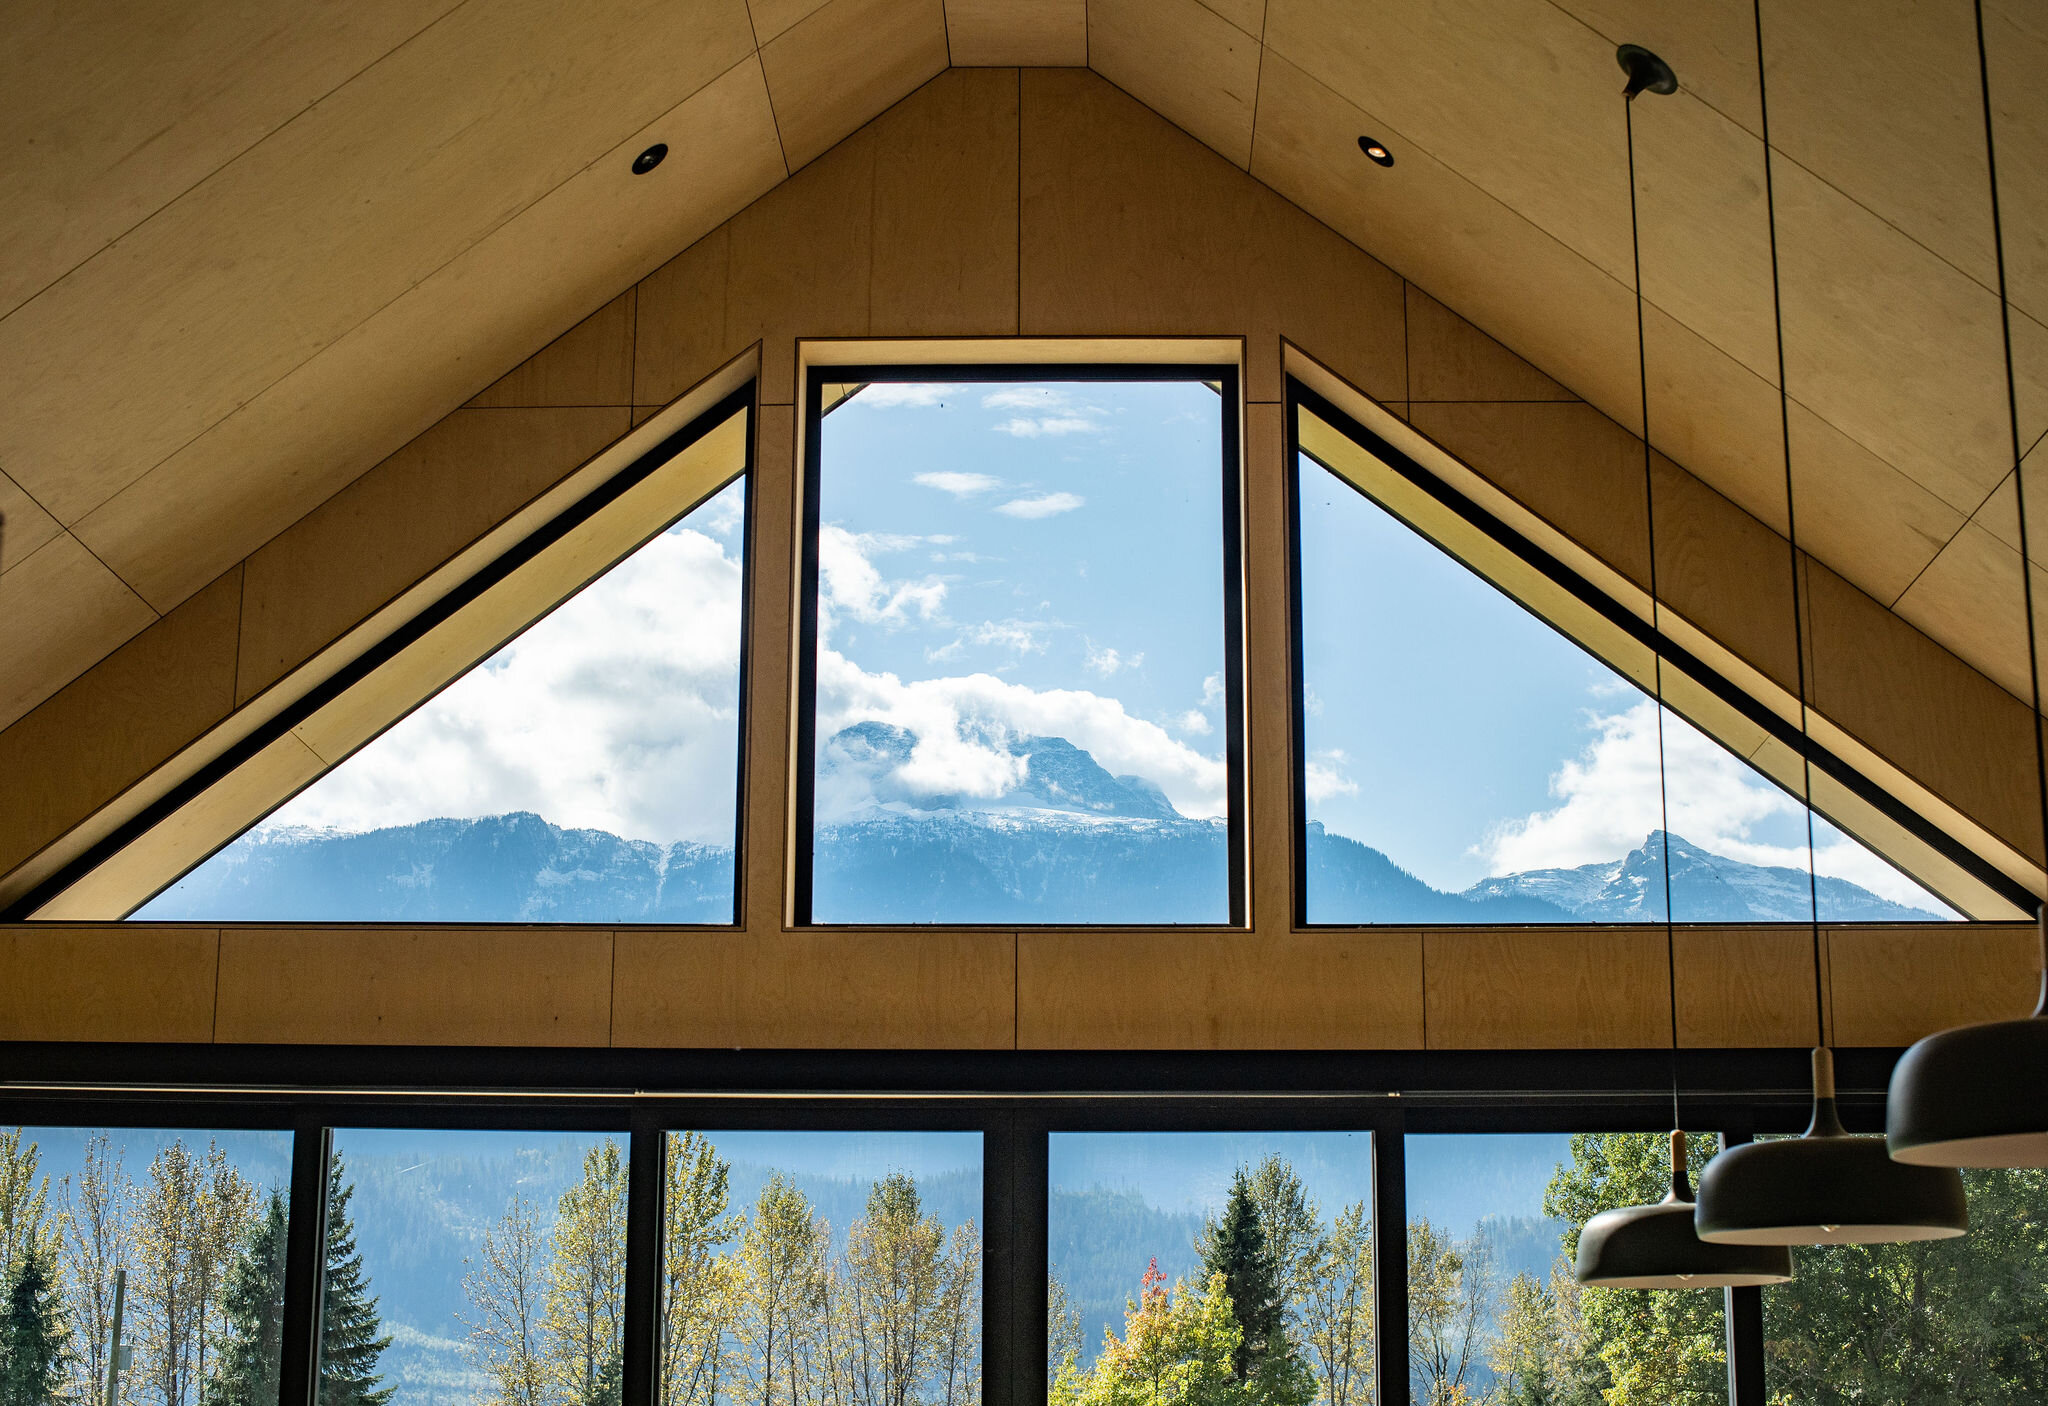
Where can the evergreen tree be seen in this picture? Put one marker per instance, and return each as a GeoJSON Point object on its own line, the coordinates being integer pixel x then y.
{"type": "Point", "coordinates": [33, 1337]}
{"type": "Point", "coordinates": [252, 1305]}
{"type": "Point", "coordinates": [349, 1344]}
{"type": "Point", "coordinates": [1237, 1248]}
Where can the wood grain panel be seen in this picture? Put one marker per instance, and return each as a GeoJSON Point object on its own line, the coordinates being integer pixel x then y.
{"type": "Point", "coordinates": [1185, 62]}
{"type": "Point", "coordinates": [340, 413]}
{"type": "Point", "coordinates": [845, 62]}
{"type": "Point", "coordinates": [1570, 464]}
{"type": "Point", "coordinates": [679, 323]}
{"type": "Point", "coordinates": [27, 525]}
{"type": "Point", "coordinates": [1714, 415]}
{"type": "Point", "coordinates": [1885, 341]}
{"type": "Point", "coordinates": [1269, 672]}
{"type": "Point", "coordinates": [1710, 43]}
{"type": "Point", "coordinates": [945, 212]}
{"type": "Point", "coordinates": [1922, 709]}
{"type": "Point", "coordinates": [1531, 988]}
{"type": "Point", "coordinates": [1970, 598]}
{"type": "Point", "coordinates": [1515, 95]}
{"type": "Point", "coordinates": [590, 364]}
{"type": "Point", "coordinates": [772, 17]}
{"type": "Point", "coordinates": [1726, 573]}
{"type": "Point", "coordinates": [368, 193]}
{"type": "Point", "coordinates": [133, 107]}
{"type": "Point", "coordinates": [1025, 33]}
{"type": "Point", "coordinates": [1450, 359]}
{"type": "Point", "coordinates": [1881, 99]}
{"type": "Point", "coordinates": [770, 645]}
{"type": "Point", "coordinates": [128, 982]}
{"type": "Point", "coordinates": [2016, 54]}
{"type": "Point", "coordinates": [815, 990]}
{"type": "Point", "coordinates": [1857, 510]}
{"type": "Point", "coordinates": [1227, 991]}
{"type": "Point", "coordinates": [389, 529]}
{"type": "Point", "coordinates": [1745, 987]}
{"type": "Point", "coordinates": [1893, 985]}
{"type": "Point", "coordinates": [111, 726]}
{"type": "Point", "coordinates": [393, 986]}
{"type": "Point", "coordinates": [64, 612]}
{"type": "Point", "coordinates": [799, 262]}
{"type": "Point", "coordinates": [1450, 237]}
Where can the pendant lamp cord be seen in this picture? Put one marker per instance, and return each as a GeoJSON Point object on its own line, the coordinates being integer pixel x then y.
{"type": "Point", "coordinates": [1820, 1018]}
{"type": "Point", "coordinates": [2019, 477]}
{"type": "Point", "coordinates": [1628, 109]}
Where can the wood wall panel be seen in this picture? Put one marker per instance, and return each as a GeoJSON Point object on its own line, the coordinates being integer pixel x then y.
{"type": "Point", "coordinates": [844, 62]}
{"type": "Point", "coordinates": [1892, 985]}
{"type": "Point", "coordinates": [393, 986]}
{"type": "Point", "coordinates": [816, 990]}
{"type": "Point", "coordinates": [1529, 988]}
{"type": "Point", "coordinates": [1229, 991]}
{"type": "Point", "coordinates": [590, 364]}
{"type": "Point", "coordinates": [1269, 672]}
{"type": "Point", "coordinates": [1725, 572]}
{"type": "Point", "coordinates": [117, 983]}
{"type": "Point", "coordinates": [1450, 359]}
{"type": "Point", "coordinates": [1745, 987]}
{"type": "Point", "coordinates": [1031, 33]}
{"type": "Point", "coordinates": [112, 725]}
{"type": "Point", "coordinates": [81, 612]}
{"type": "Point", "coordinates": [679, 322]}
{"type": "Point", "coordinates": [770, 650]}
{"type": "Point", "coordinates": [392, 527]}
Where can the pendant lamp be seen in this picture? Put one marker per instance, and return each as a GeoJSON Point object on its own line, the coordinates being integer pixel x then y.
{"type": "Point", "coordinates": [1655, 1247]}
{"type": "Point", "coordinates": [1978, 1096]}
{"type": "Point", "coordinates": [1825, 1187]}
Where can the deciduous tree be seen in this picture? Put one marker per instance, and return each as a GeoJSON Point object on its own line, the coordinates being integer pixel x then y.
{"type": "Point", "coordinates": [507, 1290]}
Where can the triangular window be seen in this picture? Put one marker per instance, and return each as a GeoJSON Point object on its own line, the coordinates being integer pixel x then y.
{"type": "Point", "coordinates": [587, 771]}
{"type": "Point", "coordinates": [1466, 761]}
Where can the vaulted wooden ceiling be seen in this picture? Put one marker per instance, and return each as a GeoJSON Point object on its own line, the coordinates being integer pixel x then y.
{"type": "Point", "coordinates": [251, 248]}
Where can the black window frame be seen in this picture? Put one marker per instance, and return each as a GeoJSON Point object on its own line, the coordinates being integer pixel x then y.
{"type": "Point", "coordinates": [1299, 398]}
{"type": "Point", "coordinates": [1225, 378]}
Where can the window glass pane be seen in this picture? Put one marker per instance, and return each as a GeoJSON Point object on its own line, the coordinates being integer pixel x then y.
{"type": "Point", "coordinates": [1215, 1259]}
{"type": "Point", "coordinates": [473, 1266]}
{"type": "Point", "coordinates": [165, 1243]}
{"type": "Point", "coordinates": [1493, 1310]}
{"type": "Point", "coordinates": [1020, 659]}
{"type": "Point", "coordinates": [587, 772]}
{"type": "Point", "coordinates": [1955, 1322]}
{"type": "Point", "coordinates": [1521, 784]}
{"type": "Point", "coordinates": [809, 1268]}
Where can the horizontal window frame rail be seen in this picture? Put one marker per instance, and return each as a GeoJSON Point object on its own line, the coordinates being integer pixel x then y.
{"type": "Point", "coordinates": [1300, 397]}
{"type": "Point", "coordinates": [740, 401]}
{"type": "Point", "coordinates": [1226, 379]}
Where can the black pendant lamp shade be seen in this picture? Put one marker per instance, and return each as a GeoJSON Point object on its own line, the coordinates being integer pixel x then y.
{"type": "Point", "coordinates": [1826, 1187]}
{"type": "Point", "coordinates": [1976, 1096]}
{"type": "Point", "coordinates": [1656, 1247]}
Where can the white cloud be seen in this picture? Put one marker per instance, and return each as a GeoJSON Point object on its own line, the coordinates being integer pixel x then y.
{"type": "Point", "coordinates": [1026, 398]}
{"type": "Point", "coordinates": [1044, 505]}
{"type": "Point", "coordinates": [962, 725]}
{"type": "Point", "coordinates": [1020, 635]}
{"type": "Point", "coordinates": [895, 395]}
{"type": "Point", "coordinates": [1107, 661]}
{"type": "Point", "coordinates": [617, 712]}
{"type": "Point", "coordinates": [1193, 723]}
{"type": "Point", "coordinates": [960, 485]}
{"type": "Point", "coordinates": [1324, 781]}
{"type": "Point", "coordinates": [1212, 690]}
{"type": "Point", "coordinates": [1609, 803]}
{"type": "Point", "coordinates": [1031, 427]}
{"type": "Point", "coordinates": [850, 583]}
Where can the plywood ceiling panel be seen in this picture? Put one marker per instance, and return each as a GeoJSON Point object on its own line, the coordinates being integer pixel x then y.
{"type": "Point", "coordinates": [1185, 62]}
{"type": "Point", "coordinates": [846, 62]}
{"type": "Point", "coordinates": [1880, 99]}
{"type": "Point", "coordinates": [1515, 95]}
{"type": "Point", "coordinates": [1715, 416]}
{"type": "Point", "coordinates": [310, 233]}
{"type": "Point", "coordinates": [1970, 595]}
{"type": "Point", "coordinates": [1710, 44]}
{"type": "Point", "coordinates": [2016, 52]}
{"type": "Point", "coordinates": [24, 526]}
{"type": "Point", "coordinates": [136, 104]}
{"type": "Point", "coordinates": [1430, 224]}
{"type": "Point", "coordinates": [1247, 15]}
{"type": "Point", "coordinates": [773, 17]}
{"type": "Point", "coordinates": [1021, 33]}
{"type": "Point", "coordinates": [334, 416]}
{"type": "Point", "coordinates": [1854, 510]}
{"type": "Point", "coordinates": [65, 611]}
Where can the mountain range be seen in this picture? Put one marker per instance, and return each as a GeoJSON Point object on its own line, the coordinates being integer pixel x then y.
{"type": "Point", "coordinates": [1070, 843]}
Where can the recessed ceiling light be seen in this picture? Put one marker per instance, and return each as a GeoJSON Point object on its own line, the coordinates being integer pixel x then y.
{"type": "Point", "coordinates": [1376, 149]}
{"type": "Point", "coordinates": [649, 159]}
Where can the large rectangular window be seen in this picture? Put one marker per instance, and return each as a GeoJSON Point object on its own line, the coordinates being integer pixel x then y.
{"type": "Point", "coordinates": [1228, 1262]}
{"type": "Point", "coordinates": [812, 1268]}
{"type": "Point", "coordinates": [1019, 681]}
